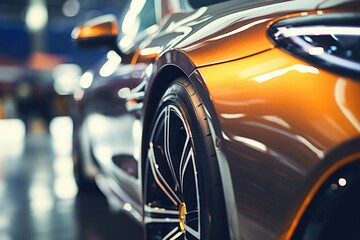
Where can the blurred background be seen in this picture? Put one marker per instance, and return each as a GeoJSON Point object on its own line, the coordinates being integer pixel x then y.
{"type": "Point", "coordinates": [39, 70]}
{"type": "Point", "coordinates": [39, 63]}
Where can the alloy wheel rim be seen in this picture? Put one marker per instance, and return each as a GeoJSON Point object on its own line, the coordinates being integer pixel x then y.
{"type": "Point", "coordinates": [172, 202]}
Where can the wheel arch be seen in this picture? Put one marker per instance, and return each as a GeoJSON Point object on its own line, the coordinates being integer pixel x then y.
{"type": "Point", "coordinates": [171, 66]}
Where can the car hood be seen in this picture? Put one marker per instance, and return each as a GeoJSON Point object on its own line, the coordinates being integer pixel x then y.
{"type": "Point", "coordinates": [231, 30]}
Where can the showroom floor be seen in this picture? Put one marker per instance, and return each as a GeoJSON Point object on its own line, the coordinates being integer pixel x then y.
{"type": "Point", "coordinates": [38, 196]}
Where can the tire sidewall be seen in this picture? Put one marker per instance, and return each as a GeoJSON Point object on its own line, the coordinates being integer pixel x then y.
{"type": "Point", "coordinates": [181, 96]}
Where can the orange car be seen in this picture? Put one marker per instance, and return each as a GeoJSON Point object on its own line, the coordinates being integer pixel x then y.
{"type": "Point", "coordinates": [225, 119]}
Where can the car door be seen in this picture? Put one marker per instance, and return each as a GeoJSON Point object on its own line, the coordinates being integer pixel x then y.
{"type": "Point", "coordinates": [109, 107]}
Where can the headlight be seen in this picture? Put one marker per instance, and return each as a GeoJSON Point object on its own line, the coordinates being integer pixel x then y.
{"type": "Point", "coordinates": [330, 41]}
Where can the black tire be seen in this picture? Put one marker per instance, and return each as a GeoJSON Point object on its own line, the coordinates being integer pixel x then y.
{"type": "Point", "coordinates": [182, 174]}
{"type": "Point", "coordinates": [83, 182]}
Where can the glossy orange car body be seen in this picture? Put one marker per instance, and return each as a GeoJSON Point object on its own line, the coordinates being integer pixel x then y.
{"type": "Point", "coordinates": [281, 126]}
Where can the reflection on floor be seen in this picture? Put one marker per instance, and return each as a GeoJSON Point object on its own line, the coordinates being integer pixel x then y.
{"type": "Point", "coordinates": [38, 195]}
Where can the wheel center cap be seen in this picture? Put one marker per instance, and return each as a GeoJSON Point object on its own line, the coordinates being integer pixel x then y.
{"type": "Point", "coordinates": [182, 213]}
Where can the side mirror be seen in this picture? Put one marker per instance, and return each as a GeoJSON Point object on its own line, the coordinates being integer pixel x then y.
{"type": "Point", "coordinates": [99, 32]}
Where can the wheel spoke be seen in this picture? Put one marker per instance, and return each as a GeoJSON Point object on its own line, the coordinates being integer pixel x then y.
{"type": "Point", "coordinates": [162, 222]}
{"type": "Point", "coordinates": [192, 216]}
{"type": "Point", "coordinates": [168, 157]}
{"type": "Point", "coordinates": [193, 224]}
{"type": "Point", "coordinates": [161, 214]}
{"type": "Point", "coordinates": [165, 232]}
{"type": "Point", "coordinates": [172, 186]}
{"type": "Point", "coordinates": [160, 180]}
{"type": "Point", "coordinates": [192, 232]}
{"type": "Point", "coordinates": [187, 154]}
{"type": "Point", "coordinates": [173, 234]}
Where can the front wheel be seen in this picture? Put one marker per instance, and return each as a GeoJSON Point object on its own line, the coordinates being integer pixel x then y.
{"type": "Point", "coordinates": [183, 197]}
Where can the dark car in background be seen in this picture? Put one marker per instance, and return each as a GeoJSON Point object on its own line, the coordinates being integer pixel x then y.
{"type": "Point", "coordinates": [26, 93]}
{"type": "Point", "coordinates": [225, 119]}
{"type": "Point", "coordinates": [39, 66]}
